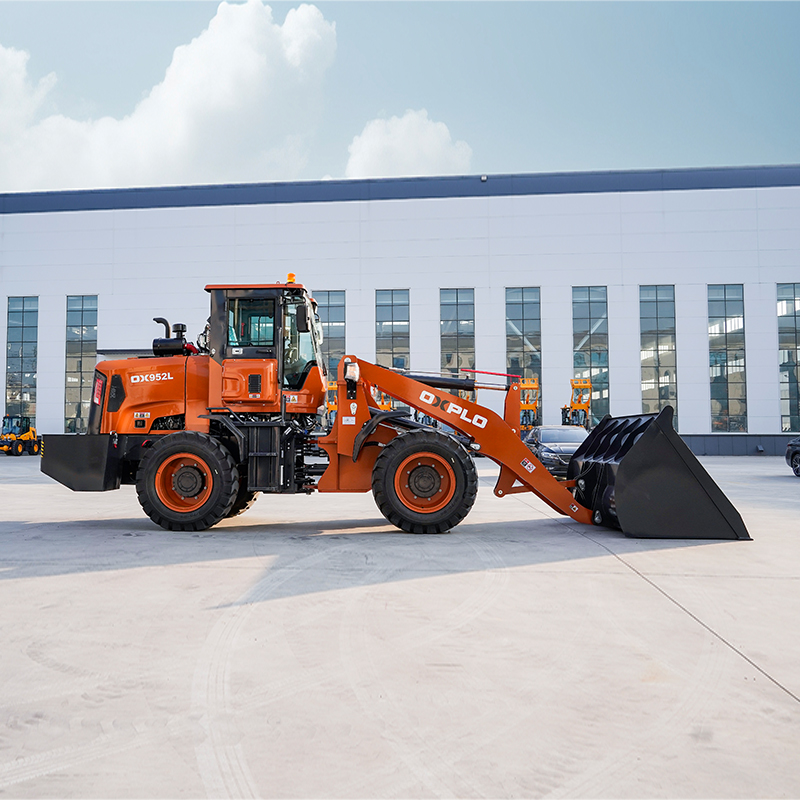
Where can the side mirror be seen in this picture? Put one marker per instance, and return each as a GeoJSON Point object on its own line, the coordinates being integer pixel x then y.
{"type": "Point", "coordinates": [303, 325]}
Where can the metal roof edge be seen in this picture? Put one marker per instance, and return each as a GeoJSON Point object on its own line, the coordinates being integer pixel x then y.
{"type": "Point", "coordinates": [344, 190]}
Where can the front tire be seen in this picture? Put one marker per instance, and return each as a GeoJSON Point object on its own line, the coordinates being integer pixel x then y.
{"type": "Point", "coordinates": [796, 464]}
{"type": "Point", "coordinates": [424, 482]}
{"type": "Point", "coordinates": [187, 481]}
{"type": "Point", "coordinates": [17, 448]}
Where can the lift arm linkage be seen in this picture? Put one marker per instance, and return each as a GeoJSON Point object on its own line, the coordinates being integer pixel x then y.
{"type": "Point", "coordinates": [497, 438]}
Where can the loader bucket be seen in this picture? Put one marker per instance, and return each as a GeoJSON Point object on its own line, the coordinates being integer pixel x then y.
{"type": "Point", "coordinates": [638, 475]}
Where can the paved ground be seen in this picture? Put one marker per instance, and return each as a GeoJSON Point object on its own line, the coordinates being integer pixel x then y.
{"type": "Point", "coordinates": [307, 649]}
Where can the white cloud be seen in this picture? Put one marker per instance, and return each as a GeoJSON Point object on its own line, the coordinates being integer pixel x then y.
{"type": "Point", "coordinates": [238, 103]}
{"type": "Point", "coordinates": [407, 145]}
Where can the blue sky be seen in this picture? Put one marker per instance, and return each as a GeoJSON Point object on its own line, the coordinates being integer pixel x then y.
{"type": "Point", "coordinates": [388, 88]}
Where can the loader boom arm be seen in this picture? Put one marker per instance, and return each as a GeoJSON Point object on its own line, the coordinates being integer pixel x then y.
{"type": "Point", "coordinates": [496, 437]}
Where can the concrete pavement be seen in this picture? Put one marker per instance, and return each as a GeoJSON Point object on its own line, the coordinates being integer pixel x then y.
{"type": "Point", "coordinates": [309, 649]}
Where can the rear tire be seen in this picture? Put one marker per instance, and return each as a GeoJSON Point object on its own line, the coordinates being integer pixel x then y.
{"type": "Point", "coordinates": [33, 448]}
{"type": "Point", "coordinates": [796, 464]}
{"type": "Point", "coordinates": [424, 482]}
{"type": "Point", "coordinates": [243, 501]}
{"type": "Point", "coordinates": [187, 481]}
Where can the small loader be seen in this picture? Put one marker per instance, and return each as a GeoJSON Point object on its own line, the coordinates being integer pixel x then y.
{"type": "Point", "coordinates": [200, 430]}
{"type": "Point", "coordinates": [18, 436]}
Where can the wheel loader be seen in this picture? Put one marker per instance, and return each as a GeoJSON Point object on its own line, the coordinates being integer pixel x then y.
{"type": "Point", "coordinates": [18, 436]}
{"type": "Point", "coordinates": [200, 430]}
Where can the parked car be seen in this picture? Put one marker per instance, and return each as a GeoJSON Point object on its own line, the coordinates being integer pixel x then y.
{"type": "Point", "coordinates": [793, 455]}
{"type": "Point", "coordinates": [554, 445]}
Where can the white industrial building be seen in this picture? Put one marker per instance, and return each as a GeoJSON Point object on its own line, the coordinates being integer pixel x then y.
{"type": "Point", "coordinates": [677, 286]}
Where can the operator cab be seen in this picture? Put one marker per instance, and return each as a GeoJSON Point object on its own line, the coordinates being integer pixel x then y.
{"type": "Point", "coordinates": [272, 337]}
{"type": "Point", "coordinates": [15, 425]}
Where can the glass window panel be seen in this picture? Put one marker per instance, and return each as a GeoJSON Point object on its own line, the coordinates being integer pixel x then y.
{"type": "Point", "coordinates": [716, 309]}
{"type": "Point", "coordinates": [580, 342]}
{"type": "Point", "coordinates": [580, 294]}
{"type": "Point", "coordinates": [648, 292]}
{"type": "Point", "coordinates": [531, 294]}
{"type": "Point", "coordinates": [597, 293]}
{"type": "Point", "coordinates": [336, 314]}
{"type": "Point", "coordinates": [513, 295]}
{"type": "Point", "coordinates": [531, 311]}
{"type": "Point", "coordinates": [734, 308]}
{"type": "Point", "coordinates": [648, 309]}
{"type": "Point", "coordinates": [449, 327]}
{"type": "Point", "coordinates": [734, 291]}
{"type": "Point", "coordinates": [666, 309]}
{"type": "Point", "coordinates": [666, 292]}
{"type": "Point", "coordinates": [597, 310]}
{"type": "Point", "coordinates": [580, 311]}
{"type": "Point", "coordinates": [447, 295]}
{"type": "Point", "coordinates": [666, 358]}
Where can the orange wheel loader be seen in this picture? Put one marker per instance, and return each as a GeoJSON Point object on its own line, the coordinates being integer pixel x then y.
{"type": "Point", "coordinates": [201, 430]}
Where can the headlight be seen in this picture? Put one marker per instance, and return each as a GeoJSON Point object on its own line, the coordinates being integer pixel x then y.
{"type": "Point", "coordinates": [548, 456]}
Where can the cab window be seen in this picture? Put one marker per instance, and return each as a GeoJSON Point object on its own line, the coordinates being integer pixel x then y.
{"type": "Point", "coordinates": [298, 353]}
{"type": "Point", "coordinates": [251, 323]}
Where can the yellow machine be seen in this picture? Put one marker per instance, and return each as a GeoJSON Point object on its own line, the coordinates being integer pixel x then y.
{"type": "Point", "coordinates": [578, 412]}
{"type": "Point", "coordinates": [529, 403]}
{"type": "Point", "coordinates": [18, 436]}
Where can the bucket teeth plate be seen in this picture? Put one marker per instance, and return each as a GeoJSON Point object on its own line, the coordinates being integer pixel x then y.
{"type": "Point", "coordinates": [638, 475]}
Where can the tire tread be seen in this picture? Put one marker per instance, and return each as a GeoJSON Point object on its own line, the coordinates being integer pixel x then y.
{"type": "Point", "coordinates": [383, 476]}
{"type": "Point", "coordinates": [229, 476]}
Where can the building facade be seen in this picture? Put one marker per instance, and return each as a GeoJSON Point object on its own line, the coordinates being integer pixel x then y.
{"type": "Point", "coordinates": [678, 286]}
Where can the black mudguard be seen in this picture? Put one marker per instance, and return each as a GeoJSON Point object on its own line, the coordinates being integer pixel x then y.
{"type": "Point", "coordinates": [83, 462]}
{"type": "Point", "coordinates": [638, 475]}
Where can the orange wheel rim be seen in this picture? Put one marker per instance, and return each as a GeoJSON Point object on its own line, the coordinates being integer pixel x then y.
{"type": "Point", "coordinates": [183, 482]}
{"type": "Point", "coordinates": [425, 482]}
